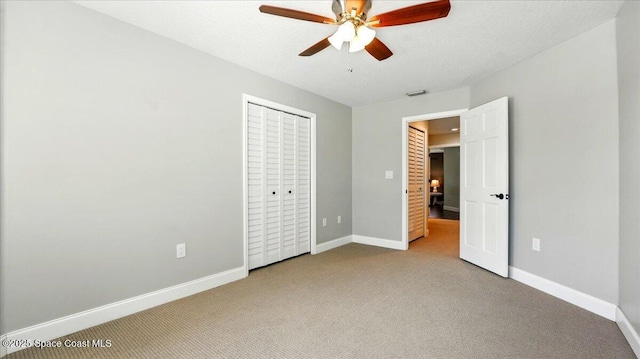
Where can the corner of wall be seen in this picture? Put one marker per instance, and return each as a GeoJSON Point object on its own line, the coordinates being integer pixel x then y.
{"type": "Point", "coordinates": [628, 331]}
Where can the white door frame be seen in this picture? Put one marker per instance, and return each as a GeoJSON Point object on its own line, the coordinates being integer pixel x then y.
{"type": "Point", "coordinates": [405, 167]}
{"type": "Point", "coordinates": [246, 99]}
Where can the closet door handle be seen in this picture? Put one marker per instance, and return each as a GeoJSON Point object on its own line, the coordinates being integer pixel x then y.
{"type": "Point", "coordinates": [274, 192]}
{"type": "Point", "coordinates": [289, 191]}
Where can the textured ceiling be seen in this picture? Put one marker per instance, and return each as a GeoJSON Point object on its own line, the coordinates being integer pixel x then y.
{"type": "Point", "coordinates": [477, 39]}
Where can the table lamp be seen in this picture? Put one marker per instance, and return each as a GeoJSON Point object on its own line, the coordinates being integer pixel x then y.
{"type": "Point", "coordinates": [435, 183]}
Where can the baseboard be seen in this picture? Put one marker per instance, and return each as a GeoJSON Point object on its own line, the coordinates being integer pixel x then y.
{"type": "Point", "coordinates": [582, 300]}
{"type": "Point", "coordinates": [452, 209]}
{"type": "Point", "coordinates": [379, 242]}
{"type": "Point", "coordinates": [323, 247]}
{"type": "Point", "coordinates": [628, 331]}
{"type": "Point", "coordinates": [92, 317]}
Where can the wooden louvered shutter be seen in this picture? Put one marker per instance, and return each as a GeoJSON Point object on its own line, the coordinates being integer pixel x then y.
{"type": "Point", "coordinates": [416, 162]}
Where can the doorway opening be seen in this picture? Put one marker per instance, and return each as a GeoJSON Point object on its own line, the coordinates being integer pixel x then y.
{"type": "Point", "coordinates": [428, 191]}
{"type": "Point", "coordinates": [444, 164]}
{"type": "Point", "coordinates": [484, 183]}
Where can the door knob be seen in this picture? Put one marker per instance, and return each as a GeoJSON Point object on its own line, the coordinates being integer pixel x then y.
{"type": "Point", "coordinates": [499, 195]}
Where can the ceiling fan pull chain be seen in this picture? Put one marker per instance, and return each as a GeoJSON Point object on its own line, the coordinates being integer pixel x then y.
{"type": "Point", "coordinates": [349, 68]}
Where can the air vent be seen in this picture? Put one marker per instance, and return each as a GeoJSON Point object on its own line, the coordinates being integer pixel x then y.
{"type": "Point", "coordinates": [417, 93]}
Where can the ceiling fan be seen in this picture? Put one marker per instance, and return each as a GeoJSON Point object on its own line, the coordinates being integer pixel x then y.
{"type": "Point", "coordinates": [356, 28]}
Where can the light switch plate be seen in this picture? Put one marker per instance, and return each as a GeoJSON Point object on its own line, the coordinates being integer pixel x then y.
{"type": "Point", "coordinates": [388, 174]}
{"type": "Point", "coordinates": [536, 244]}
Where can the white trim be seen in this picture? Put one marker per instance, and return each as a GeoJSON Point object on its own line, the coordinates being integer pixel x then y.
{"type": "Point", "coordinates": [323, 247]}
{"type": "Point", "coordinates": [380, 242]}
{"type": "Point", "coordinates": [405, 181]}
{"type": "Point", "coordinates": [582, 300]}
{"type": "Point", "coordinates": [314, 182]}
{"type": "Point", "coordinates": [92, 317]}
{"type": "Point", "coordinates": [280, 107]}
{"type": "Point", "coordinates": [245, 181]}
{"type": "Point", "coordinates": [628, 331]}
{"type": "Point", "coordinates": [452, 209]}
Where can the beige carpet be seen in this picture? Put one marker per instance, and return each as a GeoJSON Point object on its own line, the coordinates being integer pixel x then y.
{"type": "Point", "coordinates": [358, 301]}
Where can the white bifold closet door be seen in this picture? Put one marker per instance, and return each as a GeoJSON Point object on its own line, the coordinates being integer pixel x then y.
{"type": "Point", "coordinates": [279, 185]}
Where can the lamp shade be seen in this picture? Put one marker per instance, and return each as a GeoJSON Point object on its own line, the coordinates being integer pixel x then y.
{"type": "Point", "coordinates": [366, 34]}
{"type": "Point", "coordinates": [356, 44]}
{"type": "Point", "coordinates": [346, 32]}
{"type": "Point", "coordinates": [336, 41]}
{"type": "Point", "coordinates": [435, 183]}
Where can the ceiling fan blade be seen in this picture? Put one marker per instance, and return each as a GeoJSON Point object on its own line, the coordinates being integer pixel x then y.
{"type": "Point", "coordinates": [378, 50]}
{"type": "Point", "coordinates": [412, 14]}
{"type": "Point", "coordinates": [319, 46]}
{"type": "Point", "coordinates": [295, 14]}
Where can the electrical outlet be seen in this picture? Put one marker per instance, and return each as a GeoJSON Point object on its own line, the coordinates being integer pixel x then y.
{"type": "Point", "coordinates": [181, 250]}
{"type": "Point", "coordinates": [324, 222]}
{"type": "Point", "coordinates": [339, 219]}
{"type": "Point", "coordinates": [535, 244]}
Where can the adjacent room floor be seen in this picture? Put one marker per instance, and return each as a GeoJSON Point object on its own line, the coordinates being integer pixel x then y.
{"type": "Point", "coordinates": [437, 211]}
{"type": "Point", "coordinates": [359, 301]}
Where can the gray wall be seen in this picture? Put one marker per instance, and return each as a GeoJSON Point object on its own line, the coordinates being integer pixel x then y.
{"type": "Point", "coordinates": [628, 36]}
{"type": "Point", "coordinates": [377, 146]}
{"type": "Point", "coordinates": [117, 145]}
{"type": "Point", "coordinates": [563, 113]}
{"type": "Point", "coordinates": [452, 174]}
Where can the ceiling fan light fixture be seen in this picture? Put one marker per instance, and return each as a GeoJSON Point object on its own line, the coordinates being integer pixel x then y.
{"type": "Point", "coordinates": [335, 41]}
{"type": "Point", "coordinates": [356, 44]}
{"type": "Point", "coordinates": [346, 31]}
{"type": "Point", "coordinates": [352, 15]}
{"type": "Point", "coordinates": [365, 34]}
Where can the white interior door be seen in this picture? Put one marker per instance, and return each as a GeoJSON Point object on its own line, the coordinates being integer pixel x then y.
{"type": "Point", "coordinates": [255, 185]}
{"type": "Point", "coordinates": [289, 192]}
{"type": "Point", "coordinates": [303, 184]}
{"type": "Point", "coordinates": [273, 180]}
{"type": "Point", "coordinates": [484, 186]}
